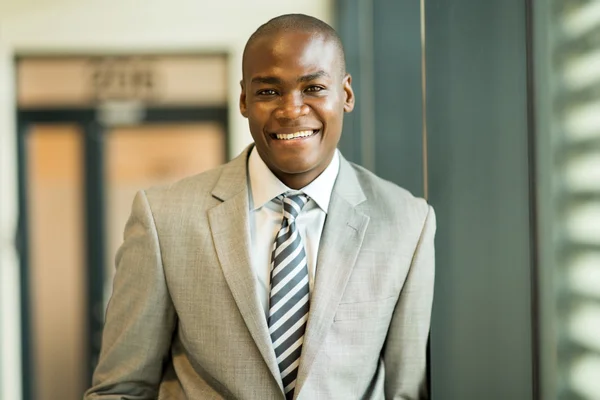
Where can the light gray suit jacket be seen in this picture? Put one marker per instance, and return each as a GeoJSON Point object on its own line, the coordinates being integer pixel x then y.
{"type": "Point", "coordinates": [185, 322]}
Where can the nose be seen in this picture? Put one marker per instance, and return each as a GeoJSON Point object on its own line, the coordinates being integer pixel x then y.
{"type": "Point", "coordinates": [291, 107]}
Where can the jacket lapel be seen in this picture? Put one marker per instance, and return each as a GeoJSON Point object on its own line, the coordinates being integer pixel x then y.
{"type": "Point", "coordinates": [229, 225]}
{"type": "Point", "coordinates": [340, 244]}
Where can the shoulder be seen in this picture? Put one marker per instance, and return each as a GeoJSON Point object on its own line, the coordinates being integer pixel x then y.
{"type": "Point", "coordinates": [388, 200]}
{"type": "Point", "coordinates": [193, 190]}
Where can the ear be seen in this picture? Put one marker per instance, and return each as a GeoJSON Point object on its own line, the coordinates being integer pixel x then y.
{"type": "Point", "coordinates": [243, 107]}
{"type": "Point", "coordinates": [348, 93]}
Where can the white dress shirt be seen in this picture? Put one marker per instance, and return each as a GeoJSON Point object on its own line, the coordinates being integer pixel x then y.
{"type": "Point", "coordinates": [266, 215]}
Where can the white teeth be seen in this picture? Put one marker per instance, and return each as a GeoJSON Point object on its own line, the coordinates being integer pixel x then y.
{"type": "Point", "coordinates": [288, 136]}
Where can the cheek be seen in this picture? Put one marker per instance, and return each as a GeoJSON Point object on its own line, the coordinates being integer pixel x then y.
{"type": "Point", "coordinates": [325, 105]}
{"type": "Point", "coordinates": [257, 116]}
{"type": "Point", "coordinates": [329, 109]}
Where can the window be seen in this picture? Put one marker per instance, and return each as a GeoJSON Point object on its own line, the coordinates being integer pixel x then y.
{"type": "Point", "coordinates": [572, 169]}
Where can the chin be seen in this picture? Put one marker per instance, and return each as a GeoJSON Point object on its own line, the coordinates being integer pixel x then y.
{"type": "Point", "coordinates": [295, 166]}
{"type": "Point", "coordinates": [295, 170]}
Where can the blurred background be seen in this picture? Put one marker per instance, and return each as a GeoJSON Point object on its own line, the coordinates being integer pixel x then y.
{"type": "Point", "coordinates": [490, 109]}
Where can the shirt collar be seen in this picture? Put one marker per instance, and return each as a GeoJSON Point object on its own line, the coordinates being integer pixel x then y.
{"type": "Point", "coordinates": [265, 186]}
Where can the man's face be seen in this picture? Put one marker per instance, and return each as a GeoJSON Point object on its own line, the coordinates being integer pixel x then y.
{"type": "Point", "coordinates": [294, 95]}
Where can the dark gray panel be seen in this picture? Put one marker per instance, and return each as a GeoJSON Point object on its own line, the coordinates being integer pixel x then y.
{"type": "Point", "coordinates": [347, 17]}
{"type": "Point", "coordinates": [397, 93]}
{"type": "Point", "coordinates": [478, 174]}
{"type": "Point", "coordinates": [382, 40]}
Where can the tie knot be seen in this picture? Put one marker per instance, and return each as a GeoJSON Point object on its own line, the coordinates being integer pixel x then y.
{"type": "Point", "coordinates": [292, 205]}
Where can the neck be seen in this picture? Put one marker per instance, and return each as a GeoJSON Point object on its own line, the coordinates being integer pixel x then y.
{"type": "Point", "coordinates": [298, 181]}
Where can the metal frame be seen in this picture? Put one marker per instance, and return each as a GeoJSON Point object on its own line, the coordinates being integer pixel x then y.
{"type": "Point", "coordinates": [534, 239]}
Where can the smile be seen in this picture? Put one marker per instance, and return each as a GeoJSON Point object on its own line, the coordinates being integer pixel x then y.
{"type": "Point", "coordinates": [295, 135]}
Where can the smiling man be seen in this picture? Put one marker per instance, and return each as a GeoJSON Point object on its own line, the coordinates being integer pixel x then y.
{"type": "Point", "coordinates": [288, 273]}
{"type": "Point", "coordinates": [295, 91]}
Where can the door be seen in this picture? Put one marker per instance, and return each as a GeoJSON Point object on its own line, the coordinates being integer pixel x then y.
{"type": "Point", "coordinates": [80, 167]}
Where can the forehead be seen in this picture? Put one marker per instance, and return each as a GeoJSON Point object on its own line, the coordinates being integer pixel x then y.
{"type": "Point", "coordinates": [291, 54]}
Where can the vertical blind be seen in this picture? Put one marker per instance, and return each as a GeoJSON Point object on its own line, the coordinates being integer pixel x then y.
{"type": "Point", "coordinates": [575, 47]}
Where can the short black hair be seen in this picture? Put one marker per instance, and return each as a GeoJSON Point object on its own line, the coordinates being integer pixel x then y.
{"type": "Point", "coordinates": [298, 23]}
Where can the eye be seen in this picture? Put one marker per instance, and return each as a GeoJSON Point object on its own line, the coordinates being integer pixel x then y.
{"type": "Point", "coordinates": [314, 88]}
{"type": "Point", "coordinates": [266, 92]}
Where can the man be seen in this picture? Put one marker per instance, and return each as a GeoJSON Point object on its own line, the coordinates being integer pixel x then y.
{"type": "Point", "coordinates": [286, 273]}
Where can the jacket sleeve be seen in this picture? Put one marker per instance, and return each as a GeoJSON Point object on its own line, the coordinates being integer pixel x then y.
{"type": "Point", "coordinates": [140, 318]}
{"type": "Point", "coordinates": [404, 354]}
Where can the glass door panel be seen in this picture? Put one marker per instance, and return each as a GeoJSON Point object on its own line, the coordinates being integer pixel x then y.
{"type": "Point", "coordinates": [56, 253]}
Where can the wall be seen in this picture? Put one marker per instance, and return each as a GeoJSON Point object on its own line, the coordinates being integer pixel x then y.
{"type": "Point", "coordinates": [109, 26]}
{"type": "Point", "coordinates": [483, 334]}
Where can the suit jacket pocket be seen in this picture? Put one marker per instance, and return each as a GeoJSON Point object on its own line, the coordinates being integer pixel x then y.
{"type": "Point", "coordinates": [365, 309]}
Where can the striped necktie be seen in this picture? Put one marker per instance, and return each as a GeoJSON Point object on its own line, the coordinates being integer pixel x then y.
{"type": "Point", "coordinates": [288, 299]}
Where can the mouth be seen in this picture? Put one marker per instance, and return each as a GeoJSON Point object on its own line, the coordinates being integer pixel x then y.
{"type": "Point", "coordinates": [304, 134]}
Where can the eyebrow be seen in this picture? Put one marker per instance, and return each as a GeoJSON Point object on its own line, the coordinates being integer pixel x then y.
{"type": "Point", "coordinates": [271, 80]}
{"type": "Point", "coordinates": [312, 77]}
